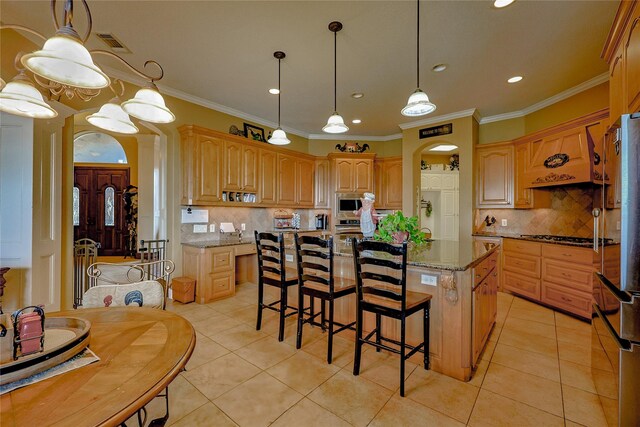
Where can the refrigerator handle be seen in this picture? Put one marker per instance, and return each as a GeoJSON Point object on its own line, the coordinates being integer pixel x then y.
{"type": "Point", "coordinates": [596, 229]}
{"type": "Point", "coordinates": [622, 343]}
{"type": "Point", "coordinates": [622, 296]}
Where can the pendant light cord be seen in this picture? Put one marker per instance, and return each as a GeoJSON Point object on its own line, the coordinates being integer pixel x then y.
{"type": "Point", "coordinates": [279, 92]}
{"type": "Point", "coordinates": [335, 71]}
{"type": "Point", "coordinates": [418, 48]}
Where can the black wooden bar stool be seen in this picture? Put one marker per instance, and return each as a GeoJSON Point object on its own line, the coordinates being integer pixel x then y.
{"type": "Point", "coordinates": [381, 288]}
{"type": "Point", "coordinates": [273, 272]}
{"type": "Point", "coordinates": [316, 280]}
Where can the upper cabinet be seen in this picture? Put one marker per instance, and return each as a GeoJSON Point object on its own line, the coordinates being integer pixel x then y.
{"type": "Point", "coordinates": [240, 167]}
{"type": "Point", "coordinates": [201, 167]}
{"type": "Point", "coordinates": [323, 184]}
{"type": "Point", "coordinates": [388, 182]}
{"type": "Point", "coordinates": [268, 182]}
{"type": "Point", "coordinates": [622, 53]}
{"type": "Point", "coordinates": [353, 173]}
{"type": "Point", "coordinates": [295, 181]}
{"type": "Point", "coordinates": [494, 183]}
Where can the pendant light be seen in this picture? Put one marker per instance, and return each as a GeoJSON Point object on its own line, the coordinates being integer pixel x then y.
{"type": "Point", "coordinates": [279, 136]}
{"type": "Point", "coordinates": [112, 117]}
{"type": "Point", "coordinates": [418, 104]}
{"type": "Point", "coordinates": [64, 59]}
{"type": "Point", "coordinates": [335, 124]}
{"type": "Point", "coordinates": [20, 97]}
{"type": "Point", "coordinates": [148, 105]}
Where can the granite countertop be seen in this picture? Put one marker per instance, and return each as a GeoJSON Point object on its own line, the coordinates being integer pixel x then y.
{"type": "Point", "coordinates": [552, 242]}
{"type": "Point", "coordinates": [221, 243]}
{"type": "Point", "coordinates": [439, 254]}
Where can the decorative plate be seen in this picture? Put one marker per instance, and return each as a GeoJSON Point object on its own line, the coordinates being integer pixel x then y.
{"type": "Point", "coordinates": [556, 160]}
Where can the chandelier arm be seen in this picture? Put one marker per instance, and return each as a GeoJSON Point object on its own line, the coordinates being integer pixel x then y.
{"type": "Point", "coordinates": [89, 20]}
{"type": "Point", "coordinates": [54, 15]}
{"type": "Point", "coordinates": [22, 28]}
{"type": "Point", "coordinates": [118, 94]}
{"type": "Point", "coordinates": [131, 67]}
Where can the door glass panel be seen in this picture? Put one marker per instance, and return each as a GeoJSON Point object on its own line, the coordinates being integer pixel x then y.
{"type": "Point", "coordinates": [109, 209]}
{"type": "Point", "coordinates": [76, 206]}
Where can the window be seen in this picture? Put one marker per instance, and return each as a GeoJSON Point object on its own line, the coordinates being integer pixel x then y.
{"type": "Point", "coordinates": [76, 206]}
{"type": "Point", "coordinates": [97, 147]}
{"type": "Point", "coordinates": [109, 207]}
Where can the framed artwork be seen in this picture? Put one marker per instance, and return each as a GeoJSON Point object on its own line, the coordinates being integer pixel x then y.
{"type": "Point", "coordinates": [254, 132]}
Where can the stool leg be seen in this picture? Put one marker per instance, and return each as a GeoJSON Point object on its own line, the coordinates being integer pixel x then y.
{"type": "Point", "coordinates": [283, 309]}
{"type": "Point", "coordinates": [300, 316]}
{"type": "Point", "coordinates": [358, 353]}
{"type": "Point", "coordinates": [402, 353]}
{"type": "Point", "coordinates": [426, 337]}
{"type": "Point", "coordinates": [323, 317]}
{"type": "Point", "coordinates": [330, 338]}
{"type": "Point", "coordinates": [260, 304]}
{"type": "Point", "coordinates": [378, 329]}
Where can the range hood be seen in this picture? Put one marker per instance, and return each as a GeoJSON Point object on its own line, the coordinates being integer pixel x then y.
{"type": "Point", "coordinates": [567, 154]}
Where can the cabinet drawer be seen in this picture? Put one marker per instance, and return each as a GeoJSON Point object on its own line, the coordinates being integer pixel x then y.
{"type": "Point", "coordinates": [481, 270]}
{"type": "Point", "coordinates": [523, 264]}
{"type": "Point", "coordinates": [222, 284]}
{"type": "Point", "coordinates": [568, 254]}
{"type": "Point", "coordinates": [221, 260]}
{"type": "Point", "coordinates": [522, 247]}
{"type": "Point", "coordinates": [522, 285]}
{"type": "Point", "coordinates": [566, 299]}
{"type": "Point", "coordinates": [574, 276]}
{"type": "Point", "coordinates": [247, 249]}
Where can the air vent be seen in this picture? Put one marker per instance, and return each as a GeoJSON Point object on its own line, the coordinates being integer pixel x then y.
{"type": "Point", "coordinates": [113, 43]}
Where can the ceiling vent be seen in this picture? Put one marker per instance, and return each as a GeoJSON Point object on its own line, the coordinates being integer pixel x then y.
{"type": "Point", "coordinates": [113, 43]}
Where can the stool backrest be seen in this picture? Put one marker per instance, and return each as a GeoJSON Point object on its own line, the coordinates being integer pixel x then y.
{"type": "Point", "coordinates": [271, 258]}
{"type": "Point", "coordinates": [315, 260]}
{"type": "Point", "coordinates": [370, 257]}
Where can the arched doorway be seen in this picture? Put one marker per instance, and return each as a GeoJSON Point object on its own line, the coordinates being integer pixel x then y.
{"type": "Point", "coordinates": [102, 178]}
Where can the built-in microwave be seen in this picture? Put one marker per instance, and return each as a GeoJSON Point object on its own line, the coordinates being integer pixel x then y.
{"type": "Point", "coordinates": [346, 203]}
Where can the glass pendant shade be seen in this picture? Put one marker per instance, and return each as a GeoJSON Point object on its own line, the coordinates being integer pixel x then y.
{"type": "Point", "coordinates": [148, 105]}
{"type": "Point", "coordinates": [418, 105]}
{"type": "Point", "coordinates": [279, 137]}
{"type": "Point", "coordinates": [21, 98]}
{"type": "Point", "coordinates": [65, 60]}
{"type": "Point", "coordinates": [112, 117]}
{"type": "Point", "coordinates": [335, 124]}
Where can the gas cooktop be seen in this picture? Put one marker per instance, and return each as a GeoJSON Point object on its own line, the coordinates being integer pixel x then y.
{"type": "Point", "coordinates": [578, 241]}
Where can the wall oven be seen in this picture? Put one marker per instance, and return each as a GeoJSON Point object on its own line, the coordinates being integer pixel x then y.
{"type": "Point", "coordinates": [616, 324]}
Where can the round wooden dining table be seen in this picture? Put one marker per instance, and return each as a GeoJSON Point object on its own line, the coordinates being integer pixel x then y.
{"type": "Point", "coordinates": [141, 351]}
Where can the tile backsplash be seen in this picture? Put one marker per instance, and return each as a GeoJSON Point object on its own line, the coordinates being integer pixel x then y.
{"type": "Point", "coordinates": [569, 215]}
{"type": "Point", "coordinates": [260, 219]}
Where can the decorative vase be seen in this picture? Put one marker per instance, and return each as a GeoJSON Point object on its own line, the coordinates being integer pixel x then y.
{"type": "Point", "coordinates": [400, 236]}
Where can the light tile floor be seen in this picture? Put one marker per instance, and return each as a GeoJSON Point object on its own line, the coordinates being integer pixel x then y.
{"type": "Point", "coordinates": [534, 371]}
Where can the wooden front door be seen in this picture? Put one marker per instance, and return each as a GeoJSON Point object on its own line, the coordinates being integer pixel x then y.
{"type": "Point", "coordinates": [101, 205]}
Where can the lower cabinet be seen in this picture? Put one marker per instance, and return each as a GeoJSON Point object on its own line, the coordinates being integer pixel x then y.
{"type": "Point", "coordinates": [213, 269]}
{"type": "Point", "coordinates": [485, 302]}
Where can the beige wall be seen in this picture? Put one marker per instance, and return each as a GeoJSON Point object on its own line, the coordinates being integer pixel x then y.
{"type": "Point", "coordinates": [503, 130]}
{"type": "Point", "coordinates": [436, 159]}
{"type": "Point", "coordinates": [464, 136]}
{"type": "Point", "coordinates": [322, 147]}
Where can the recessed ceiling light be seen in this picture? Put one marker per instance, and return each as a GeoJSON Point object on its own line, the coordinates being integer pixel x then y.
{"type": "Point", "coordinates": [356, 121]}
{"type": "Point", "coordinates": [502, 3]}
{"type": "Point", "coordinates": [444, 147]}
{"type": "Point", "coordinates": [439, 67]}
{"type": "Point", "coordinates": [357, 95]}
{"type": "Point", "coordinates": [274, 91]}
{"type": "Point", "coordinates": [514, 79]}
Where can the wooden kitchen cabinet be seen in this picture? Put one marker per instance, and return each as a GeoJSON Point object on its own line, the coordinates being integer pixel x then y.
{"type": "Point", "coordinates": [240, 167]}
{"type": "Point", "coordinates": [213, 269]}
{"type": "Point", "coordinates": [323, 184]}
{"type": "Point", "coordinates": [305, 182]}
{"type": "Point", "coordinates": [485, 302]}
{"type": "Point", "coordinates": [521, 268]}
{"type": "Point", "coordinates": [286, 179]}
{"type": "Point", "coordinates": [494, 177]}
{"type": "Point", "coordinates": [616, 86]}
{"type": "Point", "coordinates": [295, 181]}
{"type": "Point", "coordinates": [268, 182]}
{"type": "Point", "coordinates": [632, 56]}
{"type": "Point", "coordinates": [201, 168]}
{"type": "Point", "coordinates": [523, 196]}
{"type": "Point", "coordinates": [353, 173]}
{"type": "Point", "coordinates": [387, 174]}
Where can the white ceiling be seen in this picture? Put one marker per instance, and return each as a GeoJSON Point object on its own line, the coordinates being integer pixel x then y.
{"type": "Point", "coordinates": [222, 53]}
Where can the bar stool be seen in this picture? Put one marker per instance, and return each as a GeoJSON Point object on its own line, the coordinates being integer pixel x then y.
{"type": "Point", "coordinates": [273, 272]}
{"type": "Point", "coordinates": [386, 295]}
{"type": "Point", "coordinates": [316, 280]}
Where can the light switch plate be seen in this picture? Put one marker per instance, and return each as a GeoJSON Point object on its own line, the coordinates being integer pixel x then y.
{"type": "Point", "coordinates": [212, 228]}
{"type": "Point", "coordinates": [428, 279]}
{"type": "Point", "coordinates": [199, 228]}
{"type": "Point", "coordinates": [504, 222]}
{"type": "Point", "coordinates": [288, 257]}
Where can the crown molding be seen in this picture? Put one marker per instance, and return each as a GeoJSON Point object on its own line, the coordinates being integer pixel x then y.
{"type": "Point", "coordinates": [437, 119]}
{"type": "Point", "coordinates": [549, 101]}
{"type": "Point", "coordinates": [334, 137]}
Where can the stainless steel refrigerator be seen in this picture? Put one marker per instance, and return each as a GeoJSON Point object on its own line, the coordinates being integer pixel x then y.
{"type": "Point", "coordinates": [615, 346]}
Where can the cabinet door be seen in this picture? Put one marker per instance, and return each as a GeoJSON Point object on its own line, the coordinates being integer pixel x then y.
{"type": "Point", "coordinates": [393, 184]}
{"type": "Point", "coordinates": [286, 179]}
{"type": "Point", "coordinates": [232, 166]}
{"type": "Point", "coordinates": [632, 66]}
{"type": "Point", "coordinates": [344, 175]}
{"type": "Point", "coordinates": [304, 181]}
{"type": "Point", "coordinates": [322, 186]}
{"type": "Point", "coordinates": [250, 169]}
{"type": "Point", "coordinates": [362, 175]}
{"type": "Point", "coordinates": [208, 170]}
{"type": "Point", "coordinates": [448, 215]}
{"type": "Point", "coordinates": [522, 196]}
{"type": "Point", "coordinates": [448, 181]}
{"type": "Point", "coordinates": [268, 177]}
{"type": "Point", "coordinates": [434, 181]}
{"type": "Point", "coordinates": [187, 156]}
{"type": "Point", "coordinates": [495, 177]}
{"type": "Point", "coordinates": [595, 135]}
{"type": "Point", "coordinates": [379, 186]}
{"type": "Point", "coordinates": [616, 86]}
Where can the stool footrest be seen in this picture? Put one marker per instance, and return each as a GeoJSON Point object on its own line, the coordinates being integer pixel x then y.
{"type": "Point", "coordinates": [412, 349]}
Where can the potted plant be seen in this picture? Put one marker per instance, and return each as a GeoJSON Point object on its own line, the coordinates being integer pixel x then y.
{"type": "Point", "coordinates": [397, 228]}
